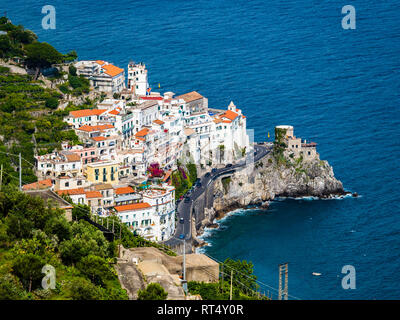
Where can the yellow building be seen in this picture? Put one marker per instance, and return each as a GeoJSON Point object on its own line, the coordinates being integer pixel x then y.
{"type": "Point", "coordinates": [105, 172]}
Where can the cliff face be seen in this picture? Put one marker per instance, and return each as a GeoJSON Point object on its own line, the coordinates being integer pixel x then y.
{"type": "Point", "coordinates": [268, 180]}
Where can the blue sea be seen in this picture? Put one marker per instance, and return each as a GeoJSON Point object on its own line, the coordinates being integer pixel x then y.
{"type": "Point", "coordinates": [282, 62]}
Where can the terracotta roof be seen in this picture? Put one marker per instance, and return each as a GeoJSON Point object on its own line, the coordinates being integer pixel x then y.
{"type": "Point", "coordinates": [98, 138]}
{"type": "Point", "coordinates": [160, 122]}
{"type": "Point", "coordinates": [112, 70]}
{"type": "Point", "coordinates": [86, 112]}
{"type": "Point", "coordinates": [142, 133]}
{"type": "Point", "coordinates": [124, 190]}
{"type": "Point", "coordinates": [95, 128]}
{"type": "Point", "coordinates": [100, 62]}
{"type": "Point", "coordinates": [71, 191]}
{"type": "Point", "coordinates": [72, 157]}
{"type": "Point", "coordinates": [133, 206]}
{"type": "Point", "coordinates": [114, 112]}
{"type": "Point", "coordinates": [93, 194]}
{"type": "Point", "coordinates": [38, 185]}
{"type": "Point", "coordinates": [190, 96]}
{"type": "Point", "coordinates": [230, 115]}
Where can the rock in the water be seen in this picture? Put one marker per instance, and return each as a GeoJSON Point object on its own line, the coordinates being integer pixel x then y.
{"type": "Point", "coordinates": [269, 180]}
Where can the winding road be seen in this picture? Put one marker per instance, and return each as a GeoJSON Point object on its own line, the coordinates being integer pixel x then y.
{"type": "Point", "coordinates": [184, 209]}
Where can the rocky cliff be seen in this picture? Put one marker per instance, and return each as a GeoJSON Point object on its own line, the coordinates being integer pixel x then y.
{"type": "Point", "coordinates": [268, 179]}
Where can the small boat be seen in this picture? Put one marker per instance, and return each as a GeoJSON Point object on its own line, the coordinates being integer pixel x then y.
{"type": "Point", "coordinates": [316, 274]}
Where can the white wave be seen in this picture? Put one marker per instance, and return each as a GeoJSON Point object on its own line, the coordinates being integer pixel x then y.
{"type": "Point", "coordinates": [346, 196]}
{"type": "Point", "coordinates": [312, 198]}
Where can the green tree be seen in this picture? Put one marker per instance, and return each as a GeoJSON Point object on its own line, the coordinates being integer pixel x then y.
{"type": "Point", "coordinates": [85, 240]}
{"type": "Point", "coordinates": [72, 70]}
{"type": "Point", "coordinates": [95, 268]}
{"type": "Point", "coordinates": [51, 103]}
{"type": "Point", "coordinates": [10, 288]}
{"type": "Point", "coordinates": [41, 55]}
{"type": "Point", "coordinates": [28, 268]}
{"type": "Point", "coordinates": [83, 289]}
{"type": "Point", "coordinates": [58, 226]}
{"type": "Point", "coordinates": [154, 291]}
{"type": "Point", "coordinates": [243, 272]}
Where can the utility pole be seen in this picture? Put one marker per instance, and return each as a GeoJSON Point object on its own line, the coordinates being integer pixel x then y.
{"type": "Point", "coordinates": [20, 173]}
{"type": "Point", "coordinates": [230, 296]}
{"type": "Point", "coordinates": [283, 268]}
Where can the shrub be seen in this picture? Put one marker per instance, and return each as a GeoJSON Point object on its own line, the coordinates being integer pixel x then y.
{"type": "Point", "coordinates": [153, 291]}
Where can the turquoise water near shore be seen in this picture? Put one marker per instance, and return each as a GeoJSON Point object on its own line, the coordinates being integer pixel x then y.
{"type": "Point", "coordinates": [282, 63]}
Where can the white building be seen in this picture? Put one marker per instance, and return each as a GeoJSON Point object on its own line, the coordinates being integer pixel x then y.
{"type": "Point", "coordinates": [89, 117]}
{"type": "Point", "coordinates": [63, 163]}
{"type": "Point", "coordinates": [103, 76]}
{"type": "Point", "coordinates": [137, 79]}
{"type": "Point", "coordinates": [154, 218]}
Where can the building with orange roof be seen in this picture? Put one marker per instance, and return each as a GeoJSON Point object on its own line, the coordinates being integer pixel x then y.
{"type": "Point", "coordinates": [89, 117]}
{"type": "Point", "coordinates": [124, 190]}
{"type": "Point", "coordinates": [42, 184]}
{"type": "Point", "coordinates": [154, 216]}
{"type": "Point", "coordinates": [103, 76]}
{"type": "Point", "coordinates": [195, 102]}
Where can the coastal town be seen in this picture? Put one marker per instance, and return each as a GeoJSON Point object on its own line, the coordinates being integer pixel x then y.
{"type": "Point", "coordinates": [131, 144]}
{"type": "Point", "coordinates": [117, 183]}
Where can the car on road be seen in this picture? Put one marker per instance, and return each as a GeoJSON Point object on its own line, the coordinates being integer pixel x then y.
{"type": "Point", "coordinates": [198, 184]}
{"type": "Point", "coordinates": [197, 180]}
{"type": "Point", "coordinates": [207, 174]}
{"type": "Point", "coordinates": [181, 220]}
{"type": "Point", "coordinates": [182, 236]}
{"type": "Point", "coordinates": [187, 199]}
{"type": "Point", "coordinates": [228, 165]}
{"type": "Point", "coordinates": [213, 170]}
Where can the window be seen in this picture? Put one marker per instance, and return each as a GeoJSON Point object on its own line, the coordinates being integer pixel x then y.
{"type": "Point", "coordinates": [67, 184]}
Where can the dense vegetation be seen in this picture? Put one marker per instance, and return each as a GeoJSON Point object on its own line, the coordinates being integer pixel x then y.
{"type": "Point", "coordinates": [279, 146]}
{"type": "Point", "coordinates": [244, 285]}
{"type": "Point", "coordinates": [125, 236]}
{"type": "Point", "coordinates": [29, 117]}
{"type": "Point", "coordinates": [33, 234]}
